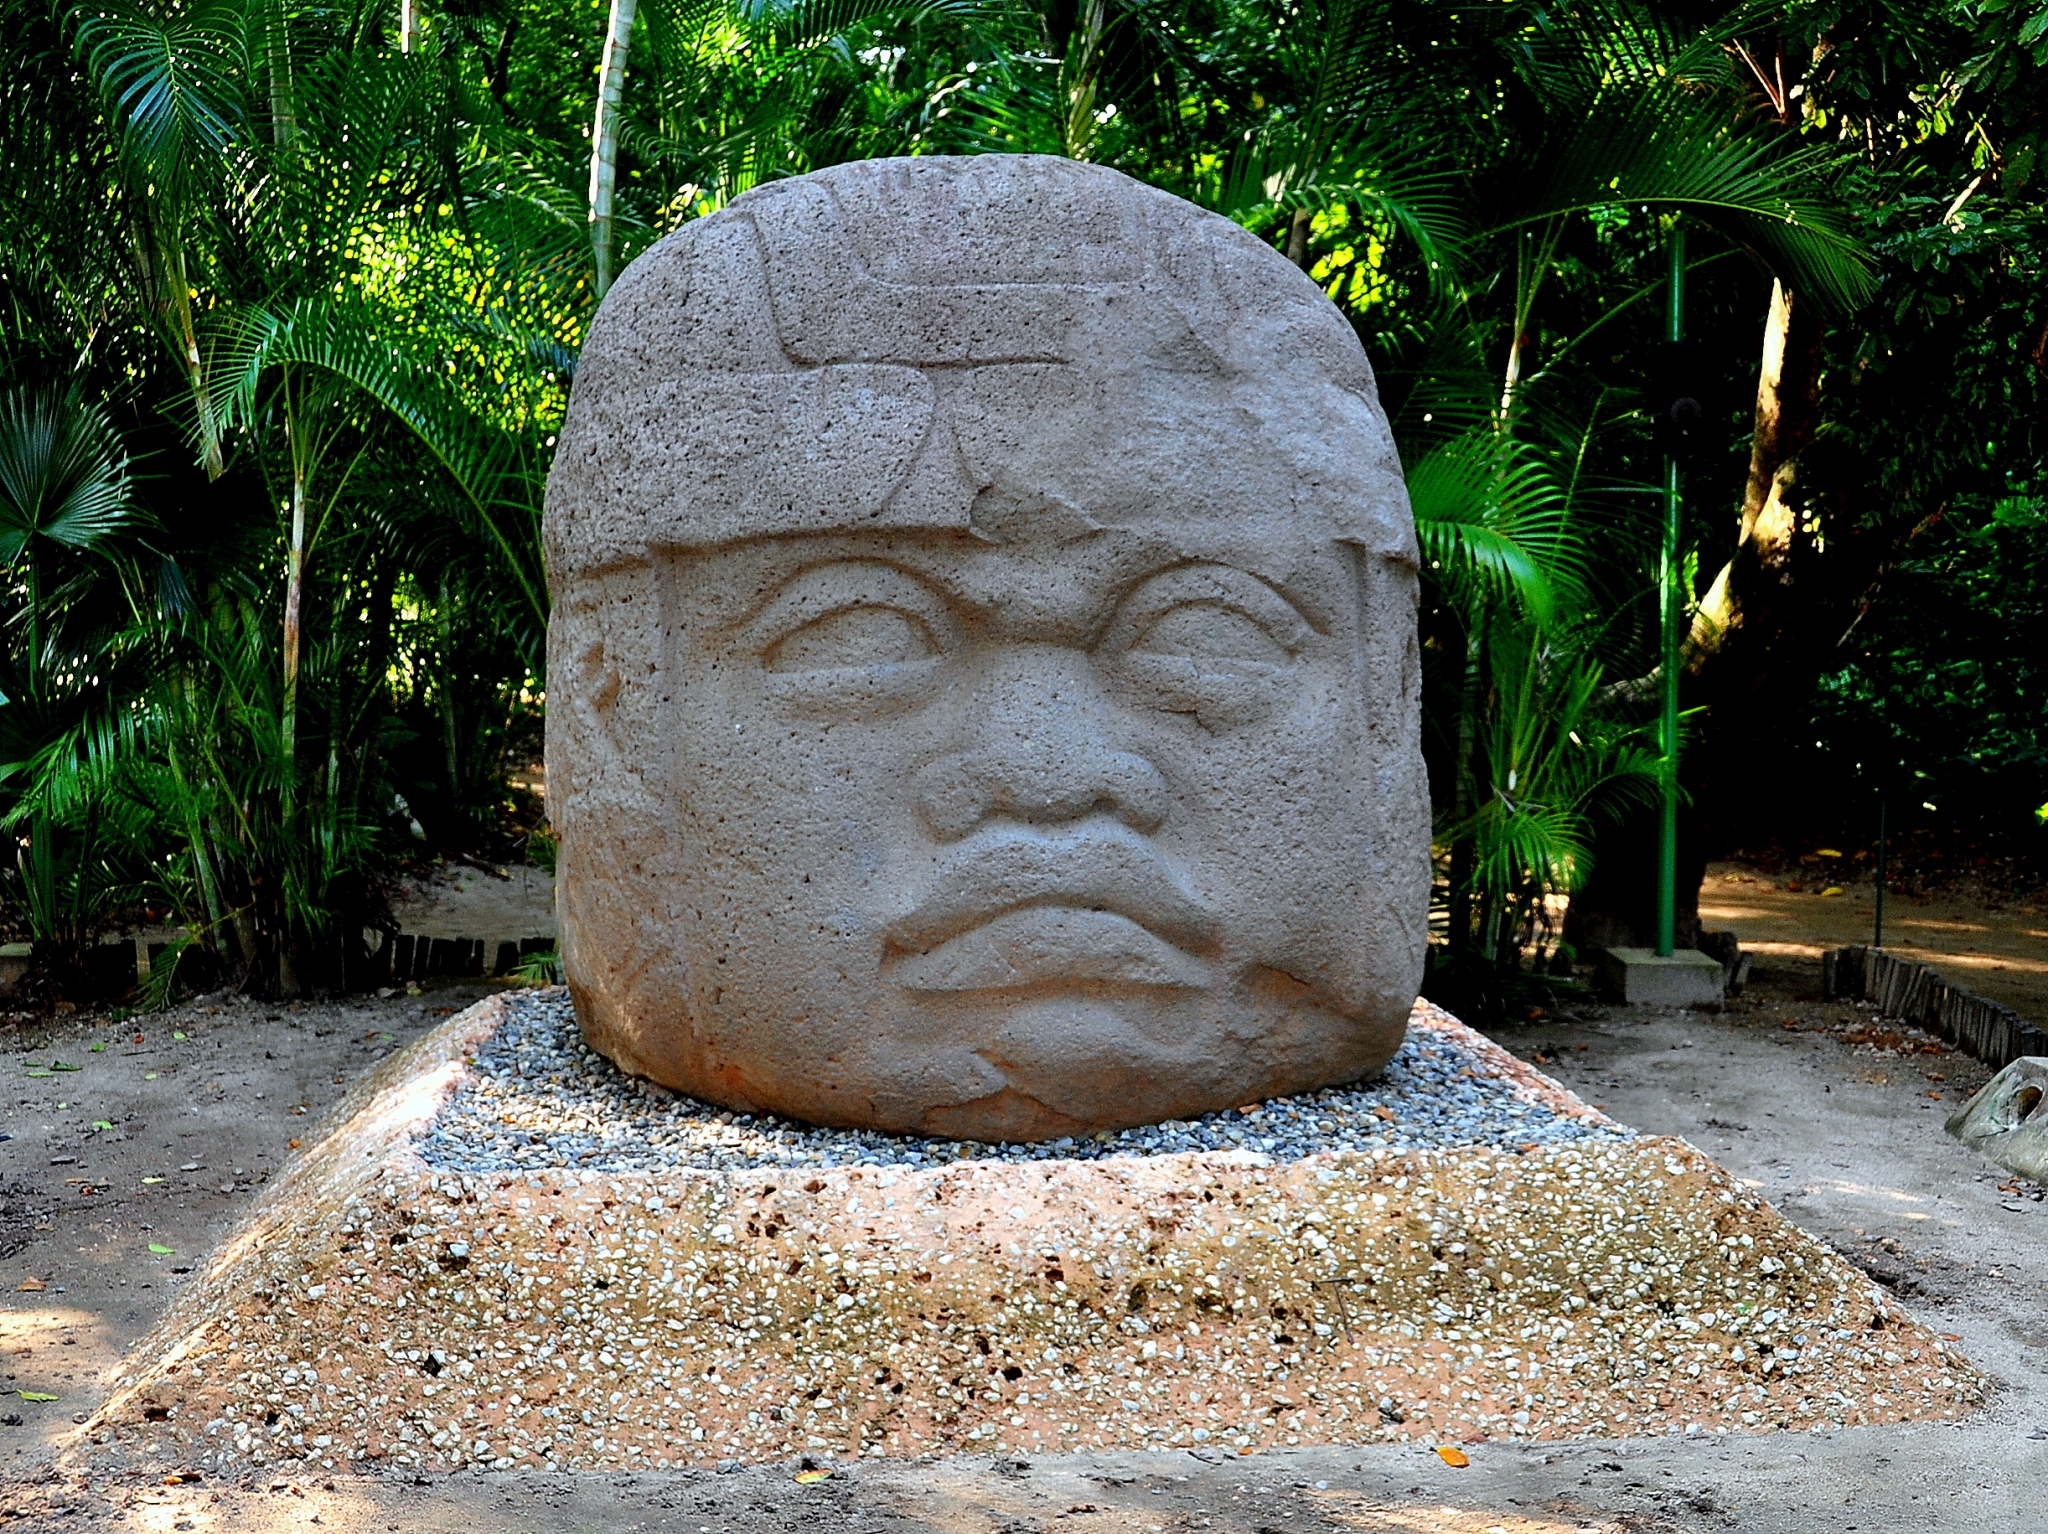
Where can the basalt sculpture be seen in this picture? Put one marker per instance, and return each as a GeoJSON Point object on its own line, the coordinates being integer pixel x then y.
{"type": "Point", "coordinates": [983, 673]}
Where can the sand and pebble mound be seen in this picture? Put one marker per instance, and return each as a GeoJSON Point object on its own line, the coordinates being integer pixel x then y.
{"type": "Point", "coordinates": [536, 1097]}
{"type": "Point", "coordinates": [449, 1280]}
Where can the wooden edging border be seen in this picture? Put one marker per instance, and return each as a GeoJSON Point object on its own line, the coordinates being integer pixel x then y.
{"type": "Point", "coordinates": [1916, 993]}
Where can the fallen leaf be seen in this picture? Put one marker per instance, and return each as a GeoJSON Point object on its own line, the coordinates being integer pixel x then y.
{"type": "Point", "coordinates": [149, 1075]}
{"type": "Point", "coordinates": [177, 1035]}
{"type": "Point", "coordinates": [812, 1477]}
{"type": "Point", "coordinates": [161, 1251]}
{"type": "Point", "coordinates": [1826, 852]}
{"type": "Point", "coordinates": [1832, 889]}
{"type": "Point", "coordinates": [101, 1124]}
{"type": "Point", "coordinates": [1384, 1112]}
{"type": "Point", "coordinates": [34, 1072]}
{"type": "Point", "coordinates": [1951, 1336]}
{"type": "Point", "coordinates": [136, 1040]}
{"type": "Point", "coordinates": [98, 1047]}
{"type": "Point", "coordinates": [37, 1395]}
{"type": "Point", "coordinates": [59, 1065]}
{"type": "Point", "coordinates": [295, 1145]}
{"type": "Point", "coordinates": [152, 1180]}
{"type": "Point", "coordinates": [30, 1285]}
{"type": "Point", "coordinates": [1457, 1459]}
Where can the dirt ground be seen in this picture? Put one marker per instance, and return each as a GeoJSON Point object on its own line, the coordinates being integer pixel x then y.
{"type": "Point", "coordinates": [498, 902]}
{"type": "Point", "coordinates": [1998, 951]}
{"type": "Point", "coordinates": [119, 1176]}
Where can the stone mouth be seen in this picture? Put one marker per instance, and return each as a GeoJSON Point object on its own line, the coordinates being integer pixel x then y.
{"type": "Point", "coordinates": [1053, 942]}
{"type": "Point", "coordinates": [1090, 869]}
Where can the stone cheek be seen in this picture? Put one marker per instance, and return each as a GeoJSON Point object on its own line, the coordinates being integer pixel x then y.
{"type": "Point", "coordinates": [983, 694]}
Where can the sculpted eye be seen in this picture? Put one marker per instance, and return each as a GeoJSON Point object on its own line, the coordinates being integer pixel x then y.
{"type": "Point", "coordinates": [864, 636]}
{"type": "Point", "coordinates": [1210, 631]}
{"type": "Point", "coordinates": [1209, 642]}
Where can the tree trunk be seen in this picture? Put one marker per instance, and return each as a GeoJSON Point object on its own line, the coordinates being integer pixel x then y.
{"type": "Point", "coordinates": [1755, 644]}
{"type": "Point", "coordinates": [1297, 237]}
{"type": "Point", "coordinates": [294, 594]}
{"type": "Point", "coordinates": [1787, 414]}
{"type": "Point", "coordinates": [445, 633]}
{"type": "Point", "coordinates": [176, 287]}
{"type": "Point", "coordinates": [32, 670]}
{"type": "Point", "coordinates": [499, 81]}
{"type": "Point", "coordinates": [1080, 76]}
{"type": "Point", "coordinates": [1770, 619]}
{"type": "Point", "coordinates": [284, 121]}
{"type": "Point", "coordinates": [1463, 790]}
{"type": "Point", "coordinates": [604, 138]}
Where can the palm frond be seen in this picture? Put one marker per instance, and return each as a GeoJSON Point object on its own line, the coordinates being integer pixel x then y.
{"type": "Point", "coordinates": [174, 78]}
{"type": "Point", "coordinates": [63, 472]}
{"type": "Point", "coordinates": [1489, 511]}
{"type": "Point", "coordinates": [492, 466]}
{"type": "Point", "coordinates": [1669, 142]}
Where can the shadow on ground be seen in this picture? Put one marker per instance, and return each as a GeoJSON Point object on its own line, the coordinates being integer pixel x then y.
{"type": "Point", "coordinates": [120, 1174]}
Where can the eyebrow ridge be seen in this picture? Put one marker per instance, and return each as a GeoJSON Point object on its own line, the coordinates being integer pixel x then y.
{"type": "Point", "coordinates": [790, 592]}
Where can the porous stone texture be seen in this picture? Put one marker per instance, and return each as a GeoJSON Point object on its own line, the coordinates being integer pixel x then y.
{"type": "Point", "coordinates": [2006, 1119]}
{"type": "Point", "coordinates": [983, 676]}
{"type": "Point", "coordinates": [381, 1311]}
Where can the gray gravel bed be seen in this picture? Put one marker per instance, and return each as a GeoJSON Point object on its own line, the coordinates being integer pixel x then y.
{"type": "Point", "coordinates": [538, 1099]}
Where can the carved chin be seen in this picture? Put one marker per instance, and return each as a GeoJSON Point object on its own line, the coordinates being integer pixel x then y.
{"type": "Point", "coordinates": [1081, 1057]}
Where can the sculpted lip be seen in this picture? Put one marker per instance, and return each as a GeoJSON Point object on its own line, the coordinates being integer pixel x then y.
{"type": "Point", "coordinates": [1089, 870]}
{"type": "Point", "coordinates": [1051, 943]}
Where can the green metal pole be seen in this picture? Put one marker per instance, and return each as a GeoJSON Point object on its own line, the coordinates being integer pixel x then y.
{"type": "Point", "coordinates": [1669, 610]}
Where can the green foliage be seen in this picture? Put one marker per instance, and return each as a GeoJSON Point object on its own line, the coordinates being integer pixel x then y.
{"type": "Point", "coordinates": [541, 967]}
{"type": "Point", "coordinates": [293, 316]}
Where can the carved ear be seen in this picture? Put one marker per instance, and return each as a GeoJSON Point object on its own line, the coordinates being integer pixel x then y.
{"type": "Point", "coordinates": [616, 873]}
{"type": "Point", "coordinates": [604, 661]}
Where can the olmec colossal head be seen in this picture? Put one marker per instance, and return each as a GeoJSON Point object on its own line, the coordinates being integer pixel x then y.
{"type": "Point", "coordinates": [983, 674]}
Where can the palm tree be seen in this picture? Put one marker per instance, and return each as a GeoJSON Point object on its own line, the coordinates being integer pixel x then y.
{"type": "Point", "coordinates": [604, 137]}
{"type": "Point", "coordinates": [64, 493]}
{"type": "Point", "coordinates": [64, 490]}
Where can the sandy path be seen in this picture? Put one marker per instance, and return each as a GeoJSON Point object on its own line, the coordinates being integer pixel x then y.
{"type": "Point", "coordinates": [462, 901]}
{"type": "Point", "coordinates": [2000, 953]}
{"type": "Point", "coordinates": [1843, 1135]}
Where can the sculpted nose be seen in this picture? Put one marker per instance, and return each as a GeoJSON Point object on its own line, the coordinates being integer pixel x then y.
{"type": "Point", "coordinates": [1038, 753]}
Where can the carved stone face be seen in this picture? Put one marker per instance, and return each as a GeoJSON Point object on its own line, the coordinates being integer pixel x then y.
{"type": "Point", "coordinates": [1005, 745]}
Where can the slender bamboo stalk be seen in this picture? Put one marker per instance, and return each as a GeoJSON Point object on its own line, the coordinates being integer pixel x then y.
{"type": "Point", "coordinates": [195, 832]}
{"type": "Point", "coordinates": [284, 121]}
{"type": "Point", "coordinates": [294, 591]}
{"type": "Point", "coordinates": [32, 570]}
{"type": "Point", "coordinates": [1082, 70]}
{"type": "Point", "coordinates": [1465, 788]}
{"type": "Point", "coordinates": [177, 287]}
{"type": "Point", "coordinates": [604, 138]}
{"type": "Point", "coordinates": [1297, 236]}
{"type": "Point", "coordinates": [1671, 609]}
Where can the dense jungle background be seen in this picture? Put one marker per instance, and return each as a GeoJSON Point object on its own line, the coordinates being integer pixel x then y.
{"type": "Point", "coordinates": [291, 297]}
